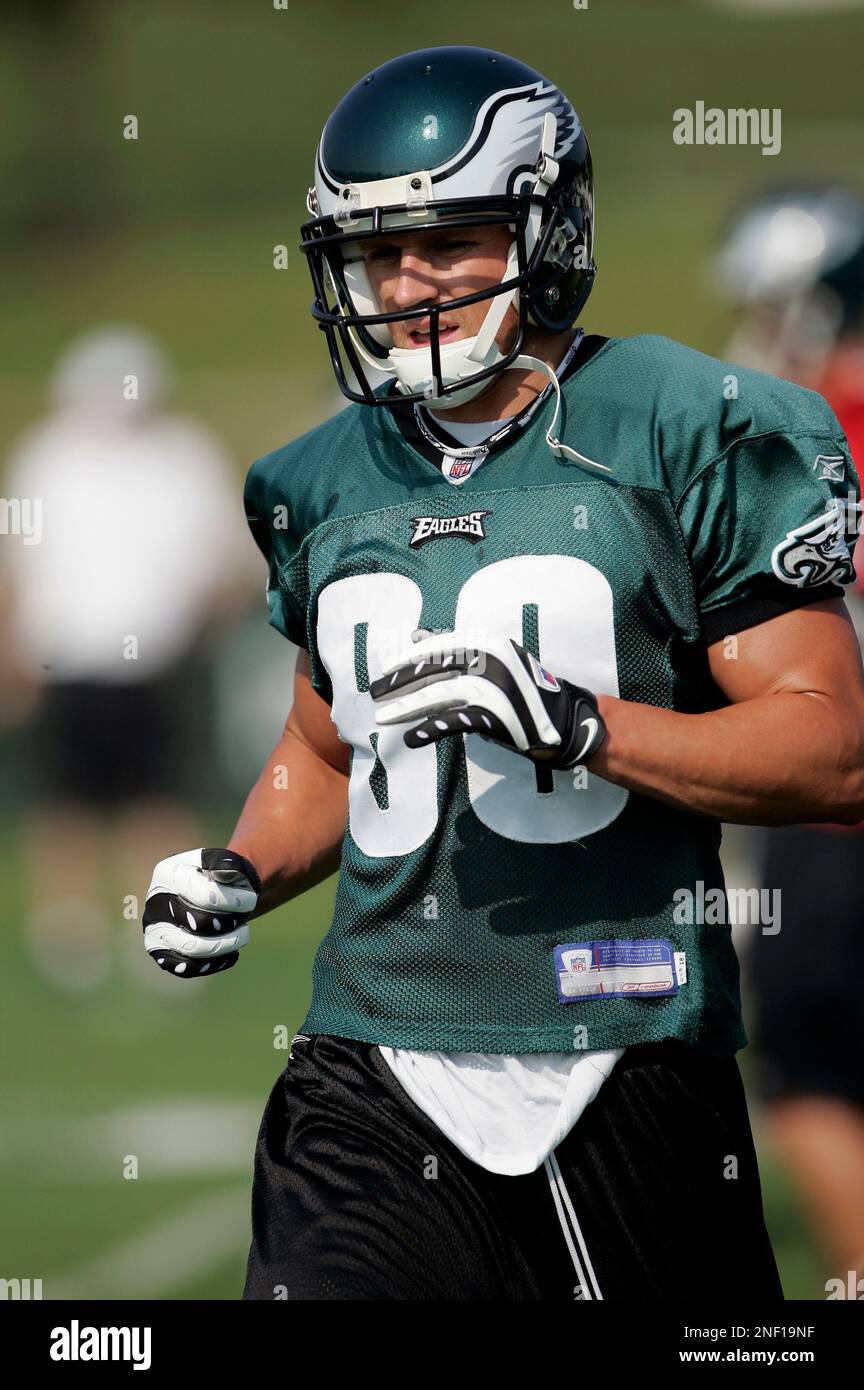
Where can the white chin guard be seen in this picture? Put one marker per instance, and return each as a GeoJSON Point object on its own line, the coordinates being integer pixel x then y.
{"type": "Point", "coordinates": [413, 369]}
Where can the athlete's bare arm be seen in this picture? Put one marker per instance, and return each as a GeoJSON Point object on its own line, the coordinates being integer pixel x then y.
{"type": "Point", "coordinates": [293, 822]}
{"type": "Point", "coordinates": [790, 746]}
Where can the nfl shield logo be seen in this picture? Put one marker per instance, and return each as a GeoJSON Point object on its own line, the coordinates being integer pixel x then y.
{"type": "Point", "coordinates": [542, 677]}
{"type": "Point", "coordinates": [460, 468]}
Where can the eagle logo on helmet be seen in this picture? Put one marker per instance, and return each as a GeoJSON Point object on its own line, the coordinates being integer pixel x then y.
{"type": "Point", "coordinates": [502, 147]}
{"type": "Point", "coordinates": [507, 130]}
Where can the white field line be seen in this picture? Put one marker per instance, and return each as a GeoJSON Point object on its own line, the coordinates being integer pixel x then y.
{"type": "Point", "coordinates": [174, 1250]}
{"type": "Point", "coordinates": [172, 1137]}
{"type": "Point", "coordinates": [784, 6]}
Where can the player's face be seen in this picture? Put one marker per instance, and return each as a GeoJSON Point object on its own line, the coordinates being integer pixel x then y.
{"type": "Point", "coordinates": [416, 269]}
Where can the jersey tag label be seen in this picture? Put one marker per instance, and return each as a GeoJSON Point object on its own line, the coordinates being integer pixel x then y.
{"type": "Point", "coordinates": [616, 969]}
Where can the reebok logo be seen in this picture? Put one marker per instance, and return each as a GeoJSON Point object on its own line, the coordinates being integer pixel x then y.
{"type": "Point", "coordinates": [831, 466]}
{"type": "Point", "coordinates": [430, 528]}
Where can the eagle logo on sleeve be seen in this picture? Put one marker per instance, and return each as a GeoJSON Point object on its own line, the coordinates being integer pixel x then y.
{"type": "Point", "coordinates": [820, 551]}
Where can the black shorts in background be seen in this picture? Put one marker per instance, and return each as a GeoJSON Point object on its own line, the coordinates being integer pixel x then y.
{"type": "Point", "coordinates": [358, 1195]}
{"type": "Point", "coordinates": [805, 981]}
{"type": "Point", "coordinates": [105, 745]}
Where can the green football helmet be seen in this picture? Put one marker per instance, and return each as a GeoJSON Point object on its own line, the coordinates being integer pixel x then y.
{"type": "Point", "coordinates": [464, 136]}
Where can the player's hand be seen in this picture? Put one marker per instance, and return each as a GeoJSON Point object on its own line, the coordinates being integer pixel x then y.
{"type": "Point", "coordinates": [500, 692]}
{"type": "Point", "coordinates": [196, 911]}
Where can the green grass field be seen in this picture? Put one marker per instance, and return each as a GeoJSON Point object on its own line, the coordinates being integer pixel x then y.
{"type": "Point", "coordinates": [177, 1076]}
{"type": "Point", "coordinates": [176, 233]}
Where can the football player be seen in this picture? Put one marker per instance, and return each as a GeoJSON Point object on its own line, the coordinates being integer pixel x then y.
{"type": "Point", "coordinates": [565, 603]}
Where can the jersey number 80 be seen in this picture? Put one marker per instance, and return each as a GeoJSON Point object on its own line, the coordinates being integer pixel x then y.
{"type": "Point", "coordinates": [572, 602]}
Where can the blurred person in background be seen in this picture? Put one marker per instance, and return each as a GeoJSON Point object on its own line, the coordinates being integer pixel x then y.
{"type": "Point", "coordinates": [792, 261]}
{"type": "Point", "coordinates": [134, 551]}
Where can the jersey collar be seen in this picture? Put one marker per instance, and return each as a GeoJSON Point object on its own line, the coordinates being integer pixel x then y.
{"type": "Point", "coordinates": [448, 452]}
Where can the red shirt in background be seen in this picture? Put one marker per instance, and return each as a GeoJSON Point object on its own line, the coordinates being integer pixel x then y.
{"type": "Point", "coordinates": [842, 385]}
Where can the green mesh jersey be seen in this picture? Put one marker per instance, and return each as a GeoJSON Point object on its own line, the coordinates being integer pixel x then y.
{"type": "Point", "coordinates": [464, 864]}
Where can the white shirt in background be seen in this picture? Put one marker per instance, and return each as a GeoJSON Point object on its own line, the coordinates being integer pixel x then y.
{"type": "Point", "coordinates": [139, 524]}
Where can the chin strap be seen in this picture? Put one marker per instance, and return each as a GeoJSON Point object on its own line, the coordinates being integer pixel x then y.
{"type": "Point", "coordinates": [561, 451]}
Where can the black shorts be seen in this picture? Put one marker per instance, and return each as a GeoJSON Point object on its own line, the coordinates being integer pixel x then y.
{"type": "Point", "coordinates": [105, 745]}
{"type": "Point", "coordinates": [805, 981]}
{"type": "Point", "coordinates": [358, 1195]}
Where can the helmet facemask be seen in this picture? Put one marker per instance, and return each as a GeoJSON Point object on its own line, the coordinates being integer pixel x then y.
{"type": "Point", "coordinates": [548, 238]}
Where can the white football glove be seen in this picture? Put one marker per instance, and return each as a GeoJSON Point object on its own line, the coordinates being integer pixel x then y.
{"type": "Point", "coordinates": [196, 911]}
{"type": "Point", "coordinates": [499, 691]}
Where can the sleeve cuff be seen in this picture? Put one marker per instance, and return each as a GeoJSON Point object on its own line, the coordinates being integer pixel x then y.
{"type": "Point", "coordinates": [721, 622]}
